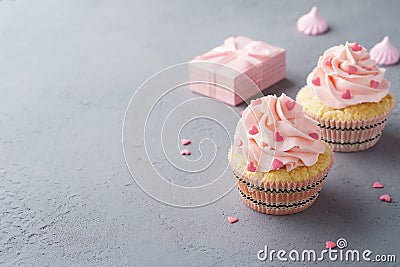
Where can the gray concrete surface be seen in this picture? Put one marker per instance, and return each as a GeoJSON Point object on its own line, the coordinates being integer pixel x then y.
{"type": "Point", "coordinates": [68, 70]}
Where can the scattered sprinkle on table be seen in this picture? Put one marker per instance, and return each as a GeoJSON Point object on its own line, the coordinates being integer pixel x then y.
{"type": "Point", "coordinates": [377, 185]}
{"type": "Point", "coordinates": [330, 244]}
{"type": "Point", "coordinates": [385, 198]}
{"type": "Point", "coordinates": [185, 152]}
{"type": "Point", "coordinates": [185, 141]}
{"type": "Point", "coordinates": [232, 219]}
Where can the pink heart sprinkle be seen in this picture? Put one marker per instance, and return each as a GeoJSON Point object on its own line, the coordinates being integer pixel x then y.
{"type": "Point", "coordinates": [290, 104]}
{"type": "Point", "coordinates": [256, 102]}
{"type": "Point", "coordinates": [328, 62]}
{"type": "Point", "coordinates": [277, 164]}
{"type": "Point", "coordinates": [377, 185]}
{"type": "Point", "coordinates": [185, 152]}
{"type": "Point", "coordinates": [356, 47]}
{"type": "Point", "coordinates": [367, 68]}
{"type": "Point", "coordinates": [278, 137]}
{"type": "Point", "coordinates": [346, 94]}
{"type": "Point", "coordinates": [253, 130]}
{"type": "Point", "coordinates": [330, 244]}
{"type": "Point", "coordinates": [185, 141]}
{"type": "Point", "coordinates": [385, 198]}
{"type": "Point", "coordinates": [351, 69]}
{"type": "Point", "coordinates": [374, 84]}
{"type": "Point", "coordinates": [251, 167]}
{"type": "Point", "coordinates": [316, 81]}
{"type": "Point", "coordinates": [240, 143]}
{"type": "Point", "coordinates": [232, 219]}
{"type": "Point", "coordinates": [314, 136]}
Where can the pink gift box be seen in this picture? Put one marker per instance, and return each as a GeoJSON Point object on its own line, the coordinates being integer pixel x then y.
{"type": "Point", "coordinates": [237, 70]}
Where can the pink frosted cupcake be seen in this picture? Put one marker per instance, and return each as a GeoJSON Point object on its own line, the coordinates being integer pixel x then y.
{"type": "Point", "coordinates": [277, 157]}
{"type": "Point", "coordinates": [349, 97]}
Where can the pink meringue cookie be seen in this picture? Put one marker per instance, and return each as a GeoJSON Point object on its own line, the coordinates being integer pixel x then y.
{"type": "Point", "coordinates": [312, 23]}
{"type": "Point", "coordinates": [385, 53]}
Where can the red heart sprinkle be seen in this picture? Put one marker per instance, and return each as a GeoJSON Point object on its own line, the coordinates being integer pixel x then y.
{"type": "Point", "coordinates": [185, 141]}
{"type": "Point", "coordinates": [330, 244]}
{"type": "Point", "coordinates": [278, 137]}
{"type": "Point", "coordinates": [316, 81]}
{"type": "Point", "coordinates": [328, 62]}
{"type": "Point", "coordinates": [374, 84]}
{"type": "Point", "coordinates": [356, 47]}
{"type": "Point", "coordinates": [232, 219]}
{"type": "Point", "coordinates": [290, 104]}
{"type": "Point", "coordinates": [314, 135]}
{"type": "Point", "coordinates": [385, 198]}
{"type": "Point", "coordinates": [346, 94]}
{"type": "Point", "coordinates": [377, 185]}
{"type": "Point", "coordinates": [277, 164]}
{"type": "Point", "coordinates": [253, 130]}
{"type": "Point", "coordinates": [351, 70]}
{"type": "Point", "coordinates": [185, 152]}
{"type": "Point", "coordinates": [251, 167]}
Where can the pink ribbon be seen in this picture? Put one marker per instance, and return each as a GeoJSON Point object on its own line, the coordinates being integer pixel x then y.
{"type": "Point", "coordinates": [252, 52]}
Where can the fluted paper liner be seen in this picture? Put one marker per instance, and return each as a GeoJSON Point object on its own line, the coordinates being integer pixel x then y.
{"type": "Point", "coordinates": [351, 136]}
{"type": "Point", "coordinates": [280, 198]}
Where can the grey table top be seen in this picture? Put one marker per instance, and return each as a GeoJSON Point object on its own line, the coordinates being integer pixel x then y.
{"type": "Point", "coordinates": [69, 69]}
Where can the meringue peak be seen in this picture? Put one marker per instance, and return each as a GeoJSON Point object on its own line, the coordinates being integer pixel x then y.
{"type": "Point", "coordinates": [384, 53]}
{"type": "Point", "coordinates": [312, 23]}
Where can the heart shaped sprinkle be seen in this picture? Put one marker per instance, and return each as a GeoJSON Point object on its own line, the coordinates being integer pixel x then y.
{"type": "Point", "coordinates": [385, 198]}
{"type": "Point", "coordinates": [232, 219]}
{"type": "Point", "coordinates": [278, 137]}
{"type": "Point", "coordinates": [251, 167]}
{"type": "Point", "coordinates": [377, 185]}
{"type": "Point", "coordinates": [277, 164]}
{"type": "Point", "coordinates": [374, 84]}
{"type": "Point", "coordinates": [290, 104]}
{"type": "Point", "coordinates": [346, 94]}
{"type": "Point", "coordinates": [367, 68]}
{"type": "Point", "coordinates": [185, 141]}
{"type": "Point", "coordinates": [185, 152]}
{"type": "Point", "coordinates": [314, 136]}
{"type": "Point", "coordinates": [328, 62]}
{"type": "Point", "coordinates": [253, 130]}
{"type": "Point", "coordinates": [351, 70]}
{"type": "Point", "coordinates": [330, 244]}
{"type": "Point", "coordinates": [356, 47]}
{"type": "Point", "coordinates": [316, 81]}
{"type": "Point", "coordinates": [256, 102]}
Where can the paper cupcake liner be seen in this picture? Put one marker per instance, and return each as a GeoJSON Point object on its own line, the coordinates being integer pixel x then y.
{"type": "Point", "coordinates": [351, 136]}
{"type": "Point", "coordinates": [280, 198]}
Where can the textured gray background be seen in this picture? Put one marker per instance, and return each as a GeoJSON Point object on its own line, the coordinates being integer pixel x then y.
{"type": "Point", "coordinates": [68, 70]}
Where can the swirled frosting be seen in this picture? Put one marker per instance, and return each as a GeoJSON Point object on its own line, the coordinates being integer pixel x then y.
{"type": "Point", "coordinates": [274, 133]}
{"type": "Point", "coordinates": [346, 75]}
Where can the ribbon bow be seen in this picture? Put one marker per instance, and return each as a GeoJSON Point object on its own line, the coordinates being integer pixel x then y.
{"type": "Point", "coordinates": [252, 52]}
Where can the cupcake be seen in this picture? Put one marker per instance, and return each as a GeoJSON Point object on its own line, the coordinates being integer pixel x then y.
{"type": "Point", "coordinates": [349, 97]}
{"type": "Point", "coordinates": [277, 156]}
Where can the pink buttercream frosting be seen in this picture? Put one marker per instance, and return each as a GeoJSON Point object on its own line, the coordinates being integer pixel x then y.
{"type": "Point", "coordinates": [346, 75]}
{"type": "Point", "coordinates": [274, 133]}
